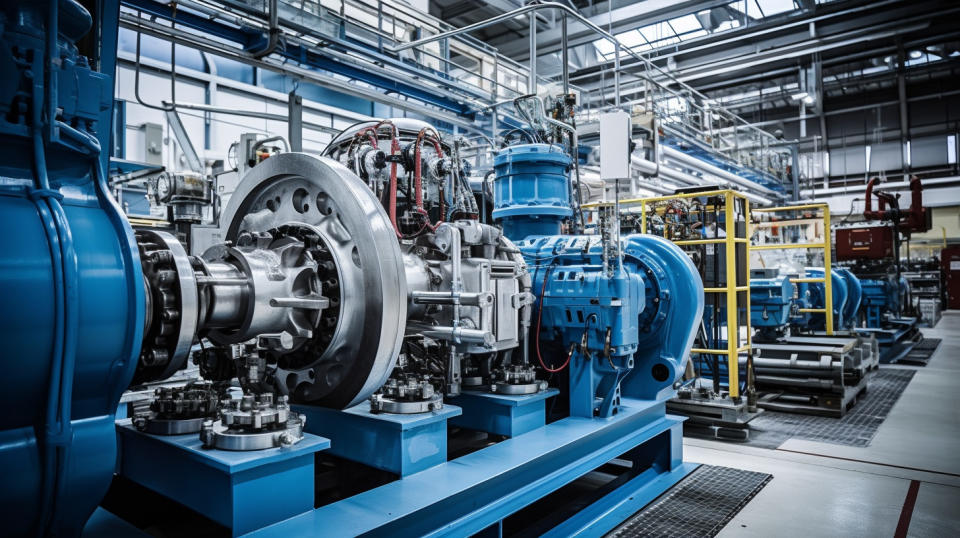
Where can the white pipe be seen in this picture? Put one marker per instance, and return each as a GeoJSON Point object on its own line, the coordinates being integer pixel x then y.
{"type": "Point", "coordinates": [696, 163]}
{"type": "Point", "coordinates": [649, 167]}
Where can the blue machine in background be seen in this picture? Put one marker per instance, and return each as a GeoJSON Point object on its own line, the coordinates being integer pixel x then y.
{"type": "Point", "coordinates": [816, 293]}
{"type": "Point", "coordinates": [883, 298]}
{"type": "Point", "coordinates": [800, 368]}
{"type": "Point", "coordinates": [776, 302]}
{"type": "Point", "coordinates": [772, 302]}
{"type": "Point", "coordinates": [70, 276]}
{"type": "Point", "coordinates": [851, 307]}
{"type": "Point", "coordinates": [883, 304]}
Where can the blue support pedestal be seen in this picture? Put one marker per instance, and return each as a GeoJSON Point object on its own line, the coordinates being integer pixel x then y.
{"type": "Point", "coordinates": [475, 492]}
{"type": "Point", "coordinates": [502, 414]}
{"type": "Point", "coordinates": [400, 444]}
{"type": "Point", "coordinates": [240, 490]}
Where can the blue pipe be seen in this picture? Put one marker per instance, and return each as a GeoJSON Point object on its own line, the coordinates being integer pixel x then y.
{"type": "Point", "coordinates": [40, 197]}
{"type": "Point", "coordinates": [58, 428]}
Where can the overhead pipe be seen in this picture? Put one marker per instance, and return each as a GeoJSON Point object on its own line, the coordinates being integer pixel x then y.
{"type": "Point", "coordinates": [132, 22]}
{"type": "Point", "coordinates": [693, 162]}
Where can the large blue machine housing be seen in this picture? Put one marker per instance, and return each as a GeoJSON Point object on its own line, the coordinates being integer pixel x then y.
{"type": "Point", "coordinates": [70, 274]}
{"type": "Point", "coordinates": [531, 189]}
{"type": "Point", "coordinates": [626, 324]}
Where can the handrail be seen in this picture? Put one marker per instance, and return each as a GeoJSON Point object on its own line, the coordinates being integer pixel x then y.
{"type": "Point", "coordinates": [596, 29]}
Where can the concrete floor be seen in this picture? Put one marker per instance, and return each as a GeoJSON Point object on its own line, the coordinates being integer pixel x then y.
{"type": "Point", "coordinates": [820, 489]}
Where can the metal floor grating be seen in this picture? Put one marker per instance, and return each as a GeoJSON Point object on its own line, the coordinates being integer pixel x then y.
{"type": "Point", "coordinates": [700, 505]}
{"type": "Point", "coordinates": [921, 353]}
{"type": "Point", "coordinates": [856, 428]}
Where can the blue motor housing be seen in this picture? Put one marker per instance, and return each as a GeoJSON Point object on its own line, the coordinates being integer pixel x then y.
{"type": "Point", "coordinates": [626, 332]}
{"type": "Point", "coordinates": [70, 277]}
{"type": "Point", "coordinates": [771, 299]}
{"type": "Point", "coordinates": [531, 189]}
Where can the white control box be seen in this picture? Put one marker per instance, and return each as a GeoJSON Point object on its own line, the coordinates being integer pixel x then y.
{"type": "Point", "coordinates": [615, 145]}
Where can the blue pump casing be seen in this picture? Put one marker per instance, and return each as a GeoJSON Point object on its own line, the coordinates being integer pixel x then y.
{"type": "Point", "coordinates": [70, 277]}
{"type": "Point", "coordinates": [531, 189]}
{"type": "Point", "coordinates": [637, 323]}
{"type": "Point", "coordinates": [625, 329]}
{"type": "Point", "coordinates": [851, 307]}
{"type": "Point", "coordinates": [815, 293]}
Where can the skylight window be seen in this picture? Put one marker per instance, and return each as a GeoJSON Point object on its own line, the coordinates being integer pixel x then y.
{"type": "Point", "coordinates": [631, 39]}
{"type": "Point", "coordinates": [758, 9]}
{"type": "Point", "coordinates": [660, 34]}
{"type": "Point", "coordinates": [774, 7]}
{"type": "Point", "coordinates": [603, 46]}
{"type": "Point", "coordinates": [685, 24]}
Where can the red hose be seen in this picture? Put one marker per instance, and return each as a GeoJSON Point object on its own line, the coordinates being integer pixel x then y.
{"type": "Point", "coordinates": [418, 178]}
{"type": "Point", "coordinates": [371, 132]}
{"type": "Point", "coordinates": [543, 290]}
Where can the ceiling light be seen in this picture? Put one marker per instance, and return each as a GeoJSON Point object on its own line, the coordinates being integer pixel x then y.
{"type": "Point", "coordinates": [799, 96]}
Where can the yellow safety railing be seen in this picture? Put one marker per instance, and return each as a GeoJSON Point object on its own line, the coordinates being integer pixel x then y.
{"type": "Point", "coordinates": [732, 287]}
{"type": "Point", "coordinates": [825, 245]}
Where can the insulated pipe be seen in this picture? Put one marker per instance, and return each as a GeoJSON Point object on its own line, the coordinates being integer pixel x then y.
{"type": "Point", "coordinates": [694, 162]}
{"type": "Point", "coordinates": [650, 168]}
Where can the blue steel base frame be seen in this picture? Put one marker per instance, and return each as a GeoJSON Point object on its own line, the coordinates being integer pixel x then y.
{"type": "Point", "coordinates": [477, 491]}
{"type": "Point", "coordinates": [240, 490]}
{"type": "Point", "coordinates": [896, 339]}
{"type": "Point", "coordinates": [502, 414]}
{"type": "Point", "coordinates": [400, 444]}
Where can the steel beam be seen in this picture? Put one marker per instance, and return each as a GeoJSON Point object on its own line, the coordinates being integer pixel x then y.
{"type": "Point", "coordinates": [473, 492]}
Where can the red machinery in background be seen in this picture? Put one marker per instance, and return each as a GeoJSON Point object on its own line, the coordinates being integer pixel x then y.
{"type": "Point", "coordinates": [879, 242]}
{"type": "Point", "coordinates": [872, 243]}
{"type": "Point", "coordinates": [950, 264]}
{"type": "Point", "coordinates": [915, 219]}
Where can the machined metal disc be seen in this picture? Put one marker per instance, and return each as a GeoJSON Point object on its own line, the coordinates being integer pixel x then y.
{"type": "Point", "coordinates": [319, 193]}
{"type": "Point", "coordinates": [515, 389]}
{"type": "Point", "coordinates": [184, 292]}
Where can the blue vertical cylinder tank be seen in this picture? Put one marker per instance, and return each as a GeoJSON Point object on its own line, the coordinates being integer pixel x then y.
{"type": "Point", "coordinates": [531, 189]}
{"type": "Point", "coordinates": [70, 280]}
